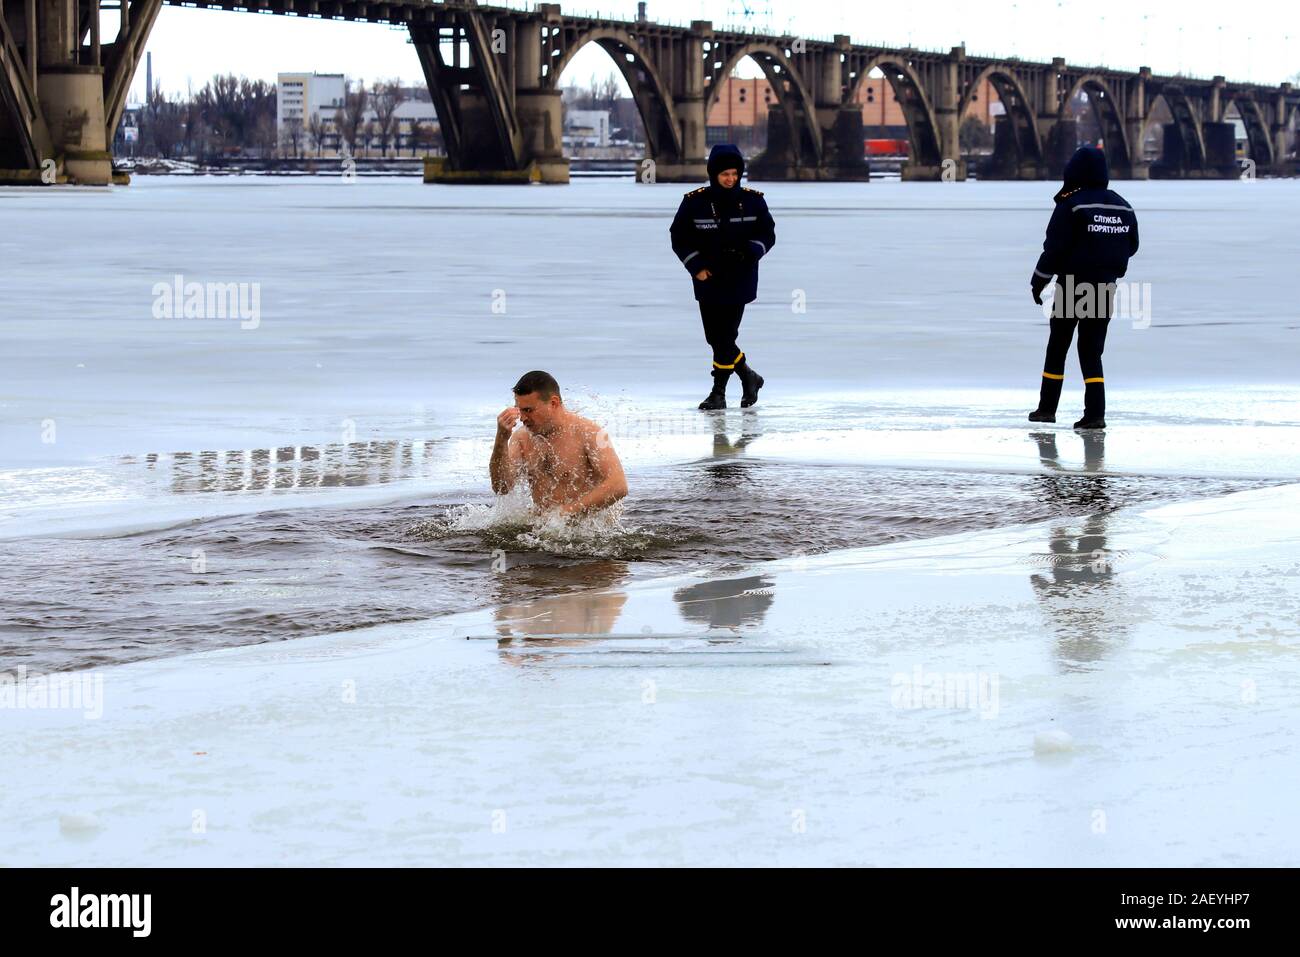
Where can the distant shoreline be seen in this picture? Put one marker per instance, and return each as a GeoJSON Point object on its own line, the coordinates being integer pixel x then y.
{"type": "Point", "coordinates": [329, 166]}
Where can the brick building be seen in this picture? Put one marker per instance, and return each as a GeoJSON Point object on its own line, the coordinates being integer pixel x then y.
{"type": "Point", "coordinates": [740, 114]}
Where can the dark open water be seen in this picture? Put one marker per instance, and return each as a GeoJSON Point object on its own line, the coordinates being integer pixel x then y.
{"type": "Point", "coordinates": [275, 575]}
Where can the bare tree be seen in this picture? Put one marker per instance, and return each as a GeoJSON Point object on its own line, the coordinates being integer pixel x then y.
{"type": "Point", "coordinates": [162, 122]}
{"type": "Point", "coordinates": [610, 93]}
{"type": "Point", "coordinates": [263, 135]}
{"type": "Point", "coordinates": [293, 134]}
{"type": "Point", "coordinates": [237, 112]}
{"type": "Point", "coordinates": [597, 95]}
{"type": "Point", "coordinates": [316, 130]}
{"type": "Point", "coordinates": [189, 120]}
{"type": "Point", "coordinates": [352, 115]}
{"type": "Point", "coordinates": [388, 96]}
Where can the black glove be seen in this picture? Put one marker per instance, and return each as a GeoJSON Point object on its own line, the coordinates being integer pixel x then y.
{"type": "Point", "coordinates": [1037, 284]}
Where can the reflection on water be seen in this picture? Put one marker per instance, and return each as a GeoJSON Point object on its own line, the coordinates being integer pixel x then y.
{"type": "Point", "coordinates": [531, 631]}
{"type": "Point", "coordinates": [535, 631]}
{"type": "Point", "coordinates": [592, 612]}
{"type": "Point", "coordinates": [334, 465]}
{"type": "Point", "coordinates": [579, 628]}
{"type": "Point", "coordinates": [723, 472]}
{"type": "Point", "coordinates": [1080, 593]}
{"type": "Point", "coordinates": [1070, 489]}
{"type": "Point", "coordinates": [1094, 450]}
{"type": "Point", "coordinates": [726, 603]}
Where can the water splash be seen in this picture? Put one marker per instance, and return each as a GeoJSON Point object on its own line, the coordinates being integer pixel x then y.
{"type": "Point", "coordinates": [512, 522]}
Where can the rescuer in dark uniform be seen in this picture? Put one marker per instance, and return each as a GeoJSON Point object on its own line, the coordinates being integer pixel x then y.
{"type": "Point", "coordinates": [720, 233]}
{"type": "Point", "coordinates": [1092, 234]}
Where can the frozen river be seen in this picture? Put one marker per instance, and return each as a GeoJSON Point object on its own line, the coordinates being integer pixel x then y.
{"type": "Point", "coordinates": [173, 486]}
{"type": "Point", "coordinates": [377, 302]}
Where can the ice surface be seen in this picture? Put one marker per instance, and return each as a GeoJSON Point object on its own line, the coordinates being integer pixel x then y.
{"type": "Point", "coordinates": [376, 323]}
{"type": "Point", "coordinates": [377, 298]}
{"type": "Point", "coordinates": [755, 720]}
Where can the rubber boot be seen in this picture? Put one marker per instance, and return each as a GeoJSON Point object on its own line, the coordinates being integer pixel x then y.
{"type": "Point", "coordinates": [1094, 406]}
{"type": "Point", "coordinates": [717, 399]}
{"type": "Point", "coordinates": [750, 380]}
{"type": "Point", "coordinates": [1048, 397]}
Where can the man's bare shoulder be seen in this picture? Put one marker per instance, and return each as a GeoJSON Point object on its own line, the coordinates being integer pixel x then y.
{"type": "Point", "coordinates": [589, 430]}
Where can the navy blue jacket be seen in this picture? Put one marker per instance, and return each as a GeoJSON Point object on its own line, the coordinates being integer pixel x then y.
{"type": "Point", "coordinates": [726, 231]}
{"type": "Point", "coordinates": [1093, 230]}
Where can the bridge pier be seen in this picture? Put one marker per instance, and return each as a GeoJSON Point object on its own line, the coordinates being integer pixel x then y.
{"type": "Point", "coordinates": [692, 165]}
{"type": "Point", "coordinates": [842, 157]}
{"type": "Point", "coordinates": [72, 99]}
{"type": "Point", "coordinates": [52, 115]}
{"type": "Point", "coordinates": [942, 160]}
{"type": "Point", "coordinates": [1008, 161]}
{"type": "Point", "coordinates": [1136, 113]}
{"type": "Point", "coordinates": [539, 109]}
{"type": "Point", "coordinates": [1220, 152]}
{"type": "Point", "coordinates": [71, 95]}
{"type": "Point", "coordinates": [690, 107]}
{"type": "Point", "coordinates": [947, 114]}
{"type": "Point", "coordinates": [541, 125]}
{"type": "Point", "coordinates": [1177, 162]}
{"type": "Point", "coordinates": [1280, 131]}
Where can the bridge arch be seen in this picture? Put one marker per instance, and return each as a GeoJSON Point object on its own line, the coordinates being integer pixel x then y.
{"type": "Point", "coordinates": [1187, 125]}
{"type": "Point", "coordinates": [1288, 119]}
{"type": "Point", "coordinates": [922, 127]}
{"type": "Point", "coordinates": [778, 70]}
{"type": "Point", "coordinates": [653, 101]}
{"type": "Point", "coordinates": [1016, 102]}
{"type": "Point", "coordinates": [1257, 132]}
{"type": "Point", "coordinates": [1106, 108]}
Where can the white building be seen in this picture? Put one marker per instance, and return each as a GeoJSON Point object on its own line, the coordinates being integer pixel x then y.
{"type": "Point", "coordinates": [586, 127]}
{"type": "Point", "coordinates": [299, 95]}
{"type": "Point", "coordinates": [302, 95]}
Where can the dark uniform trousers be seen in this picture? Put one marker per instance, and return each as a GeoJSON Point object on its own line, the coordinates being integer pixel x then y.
{"type": "Point", "coordinates": [721, 327]}
{"type": "Point", "coordinates": [1089, 314]}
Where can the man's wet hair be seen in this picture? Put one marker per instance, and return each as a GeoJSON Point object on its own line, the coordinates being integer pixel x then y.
{"type": "Point", "coordinates": [543, 383]}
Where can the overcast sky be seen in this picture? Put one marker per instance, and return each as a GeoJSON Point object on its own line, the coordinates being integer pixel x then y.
{"type": "Point", "coordinates": [1260, 45]}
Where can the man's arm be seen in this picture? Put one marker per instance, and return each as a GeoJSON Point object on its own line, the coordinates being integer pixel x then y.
{"type": "Point", "coordinates": [1057, 243]}
{"type": "Point", "coordinates": [611, 483]}
{"type": "Point", "coordinates": [1056, 246]}
{"type": "Point", "coordinates": [766, 238]}
{"type": "Point", "coordinates": [685, 245]}
{"type": "Point", "coordinates": [507, 453]}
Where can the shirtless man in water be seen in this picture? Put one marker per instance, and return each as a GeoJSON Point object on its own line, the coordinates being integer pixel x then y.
{"type": "Point", "coordinates": [567, 460]}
